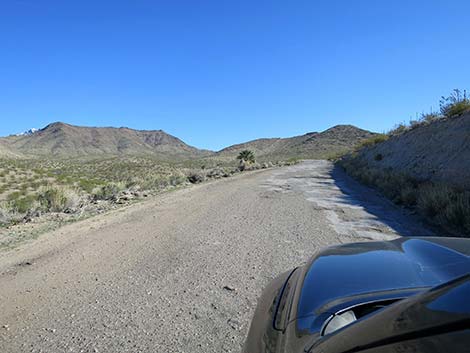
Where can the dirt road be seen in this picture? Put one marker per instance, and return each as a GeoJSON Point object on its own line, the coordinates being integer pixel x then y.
{"type": "Point", "coordinates": [181, 272]}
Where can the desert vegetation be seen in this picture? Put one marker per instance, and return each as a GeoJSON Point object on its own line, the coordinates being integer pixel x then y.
{"type": "Point", "coordinates": [30, 188]}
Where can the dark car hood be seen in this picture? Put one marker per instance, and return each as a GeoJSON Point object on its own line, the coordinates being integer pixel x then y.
{"type": "Point", "coordinates": [437, 320]}
{"type": "Point", "coordinates": [378, 269]}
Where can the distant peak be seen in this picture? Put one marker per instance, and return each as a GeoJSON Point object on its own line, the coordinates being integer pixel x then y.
{"type": "Point", "coordinates": [28, 132]}
{"type": "Point", "coordinates": [343, 127]}
{"type": "Point", "coordinates": [57, 124]}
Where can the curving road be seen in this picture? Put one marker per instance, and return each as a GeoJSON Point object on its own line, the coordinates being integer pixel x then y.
{"type": "Point", "coordinates": [182, 272]}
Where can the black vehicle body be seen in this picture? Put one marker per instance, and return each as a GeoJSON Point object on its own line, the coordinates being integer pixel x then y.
{"type": "Point", "coordinates": [406, 295]}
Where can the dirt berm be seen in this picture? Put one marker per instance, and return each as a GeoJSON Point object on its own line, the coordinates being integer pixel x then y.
{"type": "Point", "coordinates": [439, 151]}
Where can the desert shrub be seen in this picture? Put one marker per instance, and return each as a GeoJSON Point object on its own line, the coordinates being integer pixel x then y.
{"type": "Point", "coordinates": [256, 166]}
{"type": "Point", "coordinates": [409, 195]}
{"type": "Point", "coordinates": [372, 141]}
{"type": "Point", "coordinates": [52, 199]}
{"type": "Point", "coordinates": [457, 211]}
{"type": "Point", "coordinates": [433, 200]}
{"type": "Point", "coordinates": [195, 178]}
{"type": "Point", "coordinates": [57, 199]}
{"type": "Point", "coordinates": [429, 117]}
{"type": "Point", "coordinates": [216, 173]}
{"type": "Point", "coordinates": [88, 185]}
{"type": "Point", "coordinates": [175, 180]}
{"type": "Point", "coordinates": [455, 104]}
{"type": "Point", "coordinates": [5, 215]}
{"type": "Point", "coordinates": [109, 191]}
{"type": "Point", "coordinates": [24, 204]}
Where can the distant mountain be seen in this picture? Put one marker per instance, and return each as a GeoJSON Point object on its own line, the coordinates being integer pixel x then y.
{"type": "Point", "coordinates": [337, 139]}
{"type": "Point", "coordinates": [64, 140]}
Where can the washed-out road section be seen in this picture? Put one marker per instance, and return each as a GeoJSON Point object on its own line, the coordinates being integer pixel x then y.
{"type": "Point", "coordinates": [182, 272]}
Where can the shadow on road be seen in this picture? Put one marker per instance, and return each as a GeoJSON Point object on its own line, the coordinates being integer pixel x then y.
{"type": "Point", "coordinates": [401, 220]}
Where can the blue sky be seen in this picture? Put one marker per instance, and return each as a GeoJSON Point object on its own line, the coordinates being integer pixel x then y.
{"type": "Point", "coordinates": [220, 72]}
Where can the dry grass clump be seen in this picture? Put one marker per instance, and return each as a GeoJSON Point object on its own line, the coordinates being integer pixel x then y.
{"type": "Point", "coordinates": [439, 203]}
{"type": "Point", "coordinates": [58, 199]}
{"type": "Point", "coordinates": [372, 141]}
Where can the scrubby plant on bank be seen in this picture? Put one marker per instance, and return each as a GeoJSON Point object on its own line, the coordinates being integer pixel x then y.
{"type": "Point", "coordinates": [372, 141]}
{"type": "Point", "coordinates": [439, 203]}
{"type": "Point", "coordinates": [455, 104]}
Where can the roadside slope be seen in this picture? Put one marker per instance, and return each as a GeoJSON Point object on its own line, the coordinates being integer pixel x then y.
{"type": "Point", "coordinates": [438, 152]}
{"type": "Point", "coordinates": [426, 168]}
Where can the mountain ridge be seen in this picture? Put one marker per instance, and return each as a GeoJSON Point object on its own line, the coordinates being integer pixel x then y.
{"type": "Point", "coordinates": [59, 139]}
{"type": "Point", "coordinates": [336, 139]}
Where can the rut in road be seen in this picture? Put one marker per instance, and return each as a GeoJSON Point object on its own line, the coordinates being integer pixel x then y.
{"type": "Point", "coordinates": [181, 272]}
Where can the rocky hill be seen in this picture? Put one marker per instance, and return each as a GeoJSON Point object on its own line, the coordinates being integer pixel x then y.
{"type": "Point", "coordinates": [314, 145]}
{"type": "Point", "coordinates": [64, 140]}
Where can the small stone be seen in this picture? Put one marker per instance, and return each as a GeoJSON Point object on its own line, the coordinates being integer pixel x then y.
{"type": "Point", "coordinates": [229, 288]}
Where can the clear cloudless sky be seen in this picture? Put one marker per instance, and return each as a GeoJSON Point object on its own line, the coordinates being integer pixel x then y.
{"type": "Point", "coordinates": [219, 72]}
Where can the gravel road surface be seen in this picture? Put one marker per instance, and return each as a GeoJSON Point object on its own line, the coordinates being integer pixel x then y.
{"type": "Point", "coordinates": [182, 272]}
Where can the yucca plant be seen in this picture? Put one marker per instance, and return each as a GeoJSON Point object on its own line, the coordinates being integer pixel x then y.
{"type": "Point", "coordinates": [247, 156]}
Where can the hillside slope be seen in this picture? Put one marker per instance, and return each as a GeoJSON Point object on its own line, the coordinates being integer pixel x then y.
{"type": "Point", "coordinates": [438, 152]}
{"type": "Point", "coordinates": [64, 140]}
{"type": "Point", "coordinates": [314, 145]}
{"type": "Point", "coordinates": [6, 152]}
